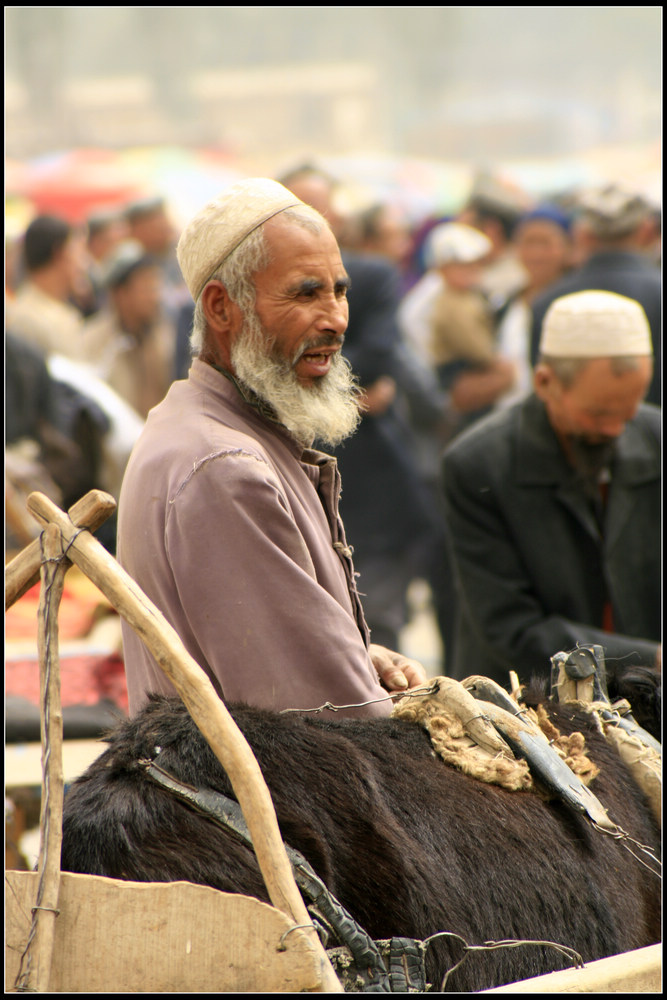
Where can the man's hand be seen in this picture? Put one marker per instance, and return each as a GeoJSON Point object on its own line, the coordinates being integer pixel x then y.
{"type": "Point", "coordinates": [473, 390]}
{"type": "Point", "coordinates": [396, 672]}
{"type": "Point", "coordinates": [378, 397]}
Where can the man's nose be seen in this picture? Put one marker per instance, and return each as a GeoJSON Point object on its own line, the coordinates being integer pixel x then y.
{"type": "Point", "coordinates": [335, 315]}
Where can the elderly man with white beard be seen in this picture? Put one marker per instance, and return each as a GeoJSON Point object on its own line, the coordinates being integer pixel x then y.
{"type": "Point", "coordinates": [228, 519]}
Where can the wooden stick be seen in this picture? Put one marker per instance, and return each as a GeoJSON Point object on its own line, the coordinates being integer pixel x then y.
{"type": "Point", "coordinates": [207, 710]}
{"type": "Point", "coordinates": [39, 949]}
{"type": "Point", "coordinates": [23, 571]}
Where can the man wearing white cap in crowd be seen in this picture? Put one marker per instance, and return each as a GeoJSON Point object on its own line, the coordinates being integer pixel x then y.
{"type": "Point", "coordinates": [611, 228]}
{"type": "Point", "coordinates": [462, 343]}
{"type": "Point", "coordinates": [554, 505]}
{"type": "Point", "coordinates": [228, 519]}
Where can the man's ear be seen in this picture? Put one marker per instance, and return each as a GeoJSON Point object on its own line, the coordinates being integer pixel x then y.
{"type": "Point", "coordinates": [224, 321]}
{"type": "Point", "coordinates": [221, 313]}
{"type": "Point", "coordinates": [543, 380]}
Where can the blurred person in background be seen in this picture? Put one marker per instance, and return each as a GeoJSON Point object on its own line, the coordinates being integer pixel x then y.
{"type": "Point", "coordinates": [462, 342]}
{"type": "Point", "coordinates": [130, 342]}
{"type": "Point", "coordinates": [382, 230]}
{"type": "Point", "coordinates": [544, 248]}
{"type": "Point", "coordinates": [13, 264]}
{"type": "Point", "coordinates": [84, 436]}
{"type": "Point", "coordinates": [149, 223]}
{"type": "Point", "coordinates": [390, 515]}
{"type": "Point", "coordinates": [613, 227]}
{"type": "Point", "coordinates": [54, 437]}
{"type": "Point", "coordinates": [104, 231]}
{"type": "Point", "coordinates": [53, 270]}
{"type": "Point", "coordinates": [495, 207]}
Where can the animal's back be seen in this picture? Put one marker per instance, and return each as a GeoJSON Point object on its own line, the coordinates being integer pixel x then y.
{"type": "Point", "coordinates": [408, 845]}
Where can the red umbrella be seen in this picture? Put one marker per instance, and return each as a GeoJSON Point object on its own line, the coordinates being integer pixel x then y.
{"type": "Point", "coordinates": [73, 184]}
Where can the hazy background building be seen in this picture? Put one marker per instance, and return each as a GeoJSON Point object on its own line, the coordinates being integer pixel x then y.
{"type": "Point", "coordinates": [267, 83]}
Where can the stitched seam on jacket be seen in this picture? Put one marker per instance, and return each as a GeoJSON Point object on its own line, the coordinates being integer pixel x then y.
{"type": "Point", "coordinates": [237, 453]}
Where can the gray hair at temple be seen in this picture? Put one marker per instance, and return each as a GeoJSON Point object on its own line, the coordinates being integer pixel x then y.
{"type": "Point", "coordinates": [566, 370]}
{"type": "Point", "coordinates": [247, 259]}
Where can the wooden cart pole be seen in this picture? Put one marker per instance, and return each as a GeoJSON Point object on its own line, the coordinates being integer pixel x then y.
{"type": "Point", "coordinates": [207, 710]}
{"type": "Point", "coordinates": [23, 571]}
{"type": "Point", "coordinates": [36, 960]}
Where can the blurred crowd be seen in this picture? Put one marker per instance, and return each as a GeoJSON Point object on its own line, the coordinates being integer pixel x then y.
{"type": "Point", "coordinates": [445, 314]}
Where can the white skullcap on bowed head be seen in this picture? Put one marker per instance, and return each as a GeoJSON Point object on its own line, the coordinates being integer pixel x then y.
{"type": "Point", "coordinates": [595, 324]}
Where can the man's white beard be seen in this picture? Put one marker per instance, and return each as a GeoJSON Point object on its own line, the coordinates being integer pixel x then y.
{"type": "Point", "coordinates": [325, 411]}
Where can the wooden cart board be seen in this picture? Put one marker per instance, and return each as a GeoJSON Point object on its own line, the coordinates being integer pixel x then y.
{"type": "Point", "coordinates": [173, 937]}
{"type": "Point", "coordinates": [633, 972]}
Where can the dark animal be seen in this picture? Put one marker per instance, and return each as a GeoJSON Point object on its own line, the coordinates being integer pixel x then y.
{"type": "Point", "coordinates": [408, 845]}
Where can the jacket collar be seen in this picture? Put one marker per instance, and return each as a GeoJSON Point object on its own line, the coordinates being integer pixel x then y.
{"type": "Point", "coordinates": [239, 396]}
{"type": "Point", "coordinates": [540, 462]}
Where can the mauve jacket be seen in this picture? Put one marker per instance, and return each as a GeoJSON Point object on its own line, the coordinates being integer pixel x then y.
{"type": "Point", "coordinates": [232, 530]}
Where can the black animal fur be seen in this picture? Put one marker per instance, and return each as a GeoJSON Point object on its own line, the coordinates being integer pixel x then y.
{"type": "Point", "coordinates": [642, 687]}
{"type": "Point", "coordinates": [407, 844]}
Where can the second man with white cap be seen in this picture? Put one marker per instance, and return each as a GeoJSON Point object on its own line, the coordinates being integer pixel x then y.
{"type": "Point", "coordinates": [554, 506]}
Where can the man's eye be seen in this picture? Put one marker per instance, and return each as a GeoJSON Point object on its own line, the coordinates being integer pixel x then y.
{"type": "Point", "coordinates": [307, 292]}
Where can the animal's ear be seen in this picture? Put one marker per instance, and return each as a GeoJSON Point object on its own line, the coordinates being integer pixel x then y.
{"type": "Point", "coordinates": [642, 687]}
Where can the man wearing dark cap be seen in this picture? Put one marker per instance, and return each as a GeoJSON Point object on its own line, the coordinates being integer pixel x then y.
{"type": "Point", "coordinates": [611, 225]}
{"type": "Point", "coordinates": [129, 341]}
{"type": "Point", "coordinates": [228, 519]}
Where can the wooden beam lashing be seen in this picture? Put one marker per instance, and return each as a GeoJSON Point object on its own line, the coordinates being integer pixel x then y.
{"type": "Point", "coordinates": [22, 572]}
{"type": "Point", "coordinates": [36, 960]}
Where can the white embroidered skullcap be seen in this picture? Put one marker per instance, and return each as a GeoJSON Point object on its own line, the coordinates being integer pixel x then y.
{"type": "Point", "coordinates": [595, 324]}
{"type": "Point", "coordinates": [452, 242]}
{"type": "Point", "coordinates": [224, 223]}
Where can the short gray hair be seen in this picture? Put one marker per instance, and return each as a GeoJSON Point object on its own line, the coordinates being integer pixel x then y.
{"type": "Point", "coordinates": [237, 271]}
{"type": "Point", "coordinates": [567, 369]}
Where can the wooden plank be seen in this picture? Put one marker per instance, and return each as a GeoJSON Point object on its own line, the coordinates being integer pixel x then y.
{"type": "Point", "coordinates": [131, 937]}
{"type": "Point", "coordinates": [632, 972]}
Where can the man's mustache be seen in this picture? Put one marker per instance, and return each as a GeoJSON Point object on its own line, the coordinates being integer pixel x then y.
{"type": "Point", "coordinates": [309, 346]}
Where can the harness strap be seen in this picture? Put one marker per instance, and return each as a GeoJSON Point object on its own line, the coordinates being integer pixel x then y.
{"type": "Point", "coordinates": [407, 974]}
